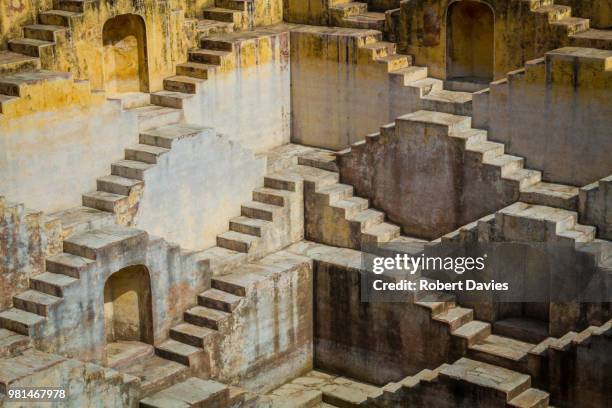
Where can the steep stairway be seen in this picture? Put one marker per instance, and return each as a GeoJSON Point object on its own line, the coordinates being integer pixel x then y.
{"type": "Point", "coordinates": [238, 13]}
{"type": "Point", "coordinates": [508, 168]}
{"type": "Point", "coordinates": [48, 290]}
{"type": "Point", "coordinates": [578, 29]}
{"type": "Point", "coordinates": [353, 14]}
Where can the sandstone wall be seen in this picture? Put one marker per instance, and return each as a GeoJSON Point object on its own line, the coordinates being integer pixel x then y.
{"type": "Point", "coordinates": [339, 93]}
{"type": "Point", "coordinates": [269, 336]}
{"type": "Point", "coordinates": [26, 237]}
{"type": "Point", "coordinates": [557, 113]}
{"type": "Point", "coordinates": [248, 97]}
{"type": "Point", "coordinates": [195, 188]}
{"type": "Point", "coordinates": [76, 327]}
{"type": "Point", "coordinates": [50, 158]}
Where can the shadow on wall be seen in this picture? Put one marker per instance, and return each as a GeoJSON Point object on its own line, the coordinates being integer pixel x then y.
{"type": "Point", "coordinates": [125, 54]}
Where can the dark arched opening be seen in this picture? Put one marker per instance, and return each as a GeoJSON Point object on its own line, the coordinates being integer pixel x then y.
{"type": "Point", "coordinates": [125, 54]}
{"type": "Point", "coordinates": [470, 42]}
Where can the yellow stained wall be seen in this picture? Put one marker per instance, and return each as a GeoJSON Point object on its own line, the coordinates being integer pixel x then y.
{"type": "Point", "coordinates": [519, 34]}
{"type": "Point", "coordinates": [14, 14]}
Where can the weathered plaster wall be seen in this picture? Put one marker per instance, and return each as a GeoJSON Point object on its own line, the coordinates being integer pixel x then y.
{"type": "Point", "coordinates": [76, 327]}
{"type": "Point", "coordinates": [339, 93]}
{"type": "Point", "coordinates": [557, 113]}
{"type": "Point", "coordinates": [195, 188]}
{"type": "Point", "coordinates": [248, 97]}
{"type": "Point", "coordinates": [519, 34]}
{"type": "Point", "coordinates": [306, 11]}
{"type": "Point", "coordinates": [26, 237]}
{"type": "Point", "coordinates": [48, 159]}
{"type": "Point", "coordinates": [269, 336]}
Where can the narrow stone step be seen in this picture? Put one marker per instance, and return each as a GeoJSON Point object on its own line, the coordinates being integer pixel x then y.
{"type": "Point", "coordinates": [380, 233]}
{"type": "Point", "coordinates": [170, 99]}
{"type": "Point", "coordinates": [56, 17]}
{"type": "Point", "coordinates": [130, 169]}
{"type": "Point", "coordinates": [185, 84]}
{"type": "Point", "coordinates": [237, 241]}
{"type": "Point", "coordinates": [507, 163]}
{"type": "Point", "coordinates": [531, 398]}
{"type": "Point", "coordinates": [436, 302]}
{"type": "Point", "coordinates": [12, 63]}
{"type": "Point", "coordinates": [237, 283]}
{"type": "Point", "coordinates": [524, 177]}
{"type": "Point", "coordinates": [29, 46]}
{"type": "Point", "coordinates": [212, 57]}
{"type": "Point", "coordinates": [473, 332]}
{"type": "Point", "coordinates": [193, 392]}
{"type": "Point", "coordinates": [36, 302]}
{"type": "Point", "coordinates": [68, 264]}
{"type": "Point", "coordinates": [145, 153]}
{"type": "Point", "coordinates": [487, 150]}
{"type": "Point", "coordinates": [223, 14]}
{"type": "Point", "coordinates": [409, 74]}
{"type": "Point", "coordinates": [348, 393]}
{"type": "Point", "coordinates": [101, 200]}
{"type": "Point", "coordinates": [20, 321]}
{"type": "Point", "coordinates": [506, 383]}
{"type": "Point", "coordinates": [395, 62]}
{"type": "Point", "coordinates": [221, 260]}
{"type": "Point", "coordinates": [164, 136]}
{"type": "Point", "coordinates": [552, 195]}
{"type": "Point", "coordinates": [180, 352]}
{"type": "Point", "coordinates": [82, 219]}
{"type": "Point", "coordinates": [152, 116]}
{"type": "Point", "coordinates": [12, 343]}
{"type": "Point", "coordinates": [271, 196]}
{"type": "Point", "coordinates": [351, 206]}
{"type": "Point", "coordinates": [579, 233]}
{"type": "Point", "coordinates": [500, 350]}
{"type": "Point", "coordinates": [219, 300]}
{"type": "Point", "coordinates": [262, 211]}
{"type": "Point", "coordinates": [43, 32]}
{"type": "Point", "coordinates": [455, 317]}
{"type": "Point", "coordinates": [156, 373]}
{"type": "Point", "coordinates": [206, 317]}
{"type": "Point", "coordinates": [282, 181]}
{"type": "Point", "coordinates": [104, 242]}
{"type": "Point", "coordinates": [367, 218]}
{"type": "Point", "coordinates": [76, 6]}
{"type": "Point", "coordinates": [52, 283]}
{"type": "Point", "coordinates": [249, 226]}
{"type": "Point", "coordinates": [191, 334]}
{"type": "Point", "coordinates": [117, 184]}
{"type": "Point", "coordinates": [336, 192]}
{"type": "Point", "coordinates": [195, 69]}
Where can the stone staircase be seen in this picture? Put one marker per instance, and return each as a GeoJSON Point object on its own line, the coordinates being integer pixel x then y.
{"type": "Point", "coordinates": [499, 386]}
{"type": "Point", "coordinates": [48, 290]}
{"type": "Point", "coordinates": [119, 193]}
{"type": "Point", "coordinates": [426, 92]}
{"type": "Point", "coordinates": [577, 29]}
{"type": "Point", "coordinates": [353, 14]}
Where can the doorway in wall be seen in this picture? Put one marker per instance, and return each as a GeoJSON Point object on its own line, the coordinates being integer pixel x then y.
{"type": "Point", "coordinates": [125, 54]}
{"type": "Point", "coordinates": [469, 42]}
{"type": "Point", "coordinates": [128, 319]}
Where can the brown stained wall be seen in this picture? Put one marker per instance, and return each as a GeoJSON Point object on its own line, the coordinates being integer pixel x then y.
{"type": "Point", "coordinates": [519, 34]}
